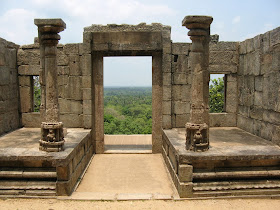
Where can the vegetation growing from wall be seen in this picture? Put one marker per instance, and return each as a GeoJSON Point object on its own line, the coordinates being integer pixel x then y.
{"type": "Point", "coordinates": [128, 110]}
{"type": "Point", "coordinates": [216, 95]}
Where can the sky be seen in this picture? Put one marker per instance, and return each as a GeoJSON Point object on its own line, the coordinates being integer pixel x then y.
{"type": "Point", "coordinates": [234, 20]}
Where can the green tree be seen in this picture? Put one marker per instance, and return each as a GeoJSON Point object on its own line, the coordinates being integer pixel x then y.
{"type": "Point", "coordinates": [216, 95]}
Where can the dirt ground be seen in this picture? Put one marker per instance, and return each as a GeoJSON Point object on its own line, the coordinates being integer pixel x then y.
{"type": "Point", "coordinates": [53, 204]}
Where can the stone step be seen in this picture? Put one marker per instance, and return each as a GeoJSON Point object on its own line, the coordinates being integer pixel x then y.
{"type": "Point", "coordinates": [251, 192]}
{"type": "Point", "coordinates": [236, 185]}
{"type": "Point", "coordinates": [250, 174]}
{"type": "Point", "coordinates": [27, 185]}
{"type": "Point", "coordinates": [21, 192]}
{"type": "Point", "coordinates": [28, 173]}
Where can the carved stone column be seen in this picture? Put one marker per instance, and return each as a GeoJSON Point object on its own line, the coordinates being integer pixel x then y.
{"type": "Point", "coordinates": [197, 130]}
{"type": "Point", "coordinates": [52, 139]}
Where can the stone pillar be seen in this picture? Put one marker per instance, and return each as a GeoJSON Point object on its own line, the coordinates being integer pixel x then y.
{"type": "Point", "coordinates": [197, 130]}
{"type": "Point", "coordinates": [52, 139]}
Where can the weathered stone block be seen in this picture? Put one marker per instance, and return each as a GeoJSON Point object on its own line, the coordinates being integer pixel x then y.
{"type": "Point", "coordinates": [222, 119]}
{"type": "Point", "coordinates": [63, 70]}
{"type": "Point", "coordinates": [25, 81]}
{"type": "Point", "coordinates": [180, 79]}
{"type": "Point", "coordinates": [271, 83]}
{"type": "Point", "coordinates": [223, 57]}
{"type": "Point", "coordinates": [99, 147]}
{"type": "Point", "coordinates": [72, 120]}
{"type": "Point", "coordinates": [166, 78]}
{"type": "Point", "coordinates": [173, 160]}
{"type": "Point", "coordinates": [181, 48]}
{"type": "Point", "coordinates": [76, 107]}
{"type": "Point", "coordinates": [87, 121]}
{"type": "Point", "coordinates": [26, 99]}
{"type": "Point", "coordinates": [166, 121]}
{"type": "Point", "coordinates": [181, 120]}
{"type": "Point", "coordinates": [166, 107]}
{"type": "Point", "coordinates": [87, 94]}
{"type": "Point", "coordinates": [71, 49]}
{"type": "Point", "coordinates": [256, 113]}
{"type": "Point", "coordinates": [62, 58]}
{"type": "Point", "coordinates": [5, 75]}
{"type": "Point", "coordinates": [259, 83]}
{"type": "Point", "coordinates": [275, 135]}
{"type": "Point", "coordinates": [185, 173]}
{"type": "Point", "coordinates": [271, 117]}
{"type": "Point", "coordinates": [74, 65]}
{"type": "Point", "coordinates": [258, 98]}
{"type": "Point", "coordinates": [31, 120]}
{"type": "Point", "coordinates": [166, 93]}
{"type": "Point", "coordinates": [64, 105]}
{"type": "Point", "coordinates": [242, 48]}
{"type": "Point", "coordinates": [257, 126]}
{"type": "Point", "coordinates": [222, 68]}
{"type": "Point", "coordinates": [275, 36]}
{"type": "Point", "coordinates": [74, 88]}
{"type": "Point", "coordinates": [86, 64]}
{"type": "Point", "coordinates": [86, 81]}
{"type": "Point", "coordinates": [32, 70]}
{"type": "Point", "coordinates": [250, 45]}
{"type": "Point", "coordinates": [245, 123]}
{"type": "Point", "coordinates": [87, 107]}
{"type": "Point", "coordinates": [181, 92]}
{"type": "Point", "coordinates": [223, 46]}
{"type": "Point", "coordinates": [252, 65]}
{"type": "Point", "coordinates": [181, 107]}
{"type": "Point", "coordinates": [267, 130]}
{"type": "Point", "coordinates": [243, 110]}
{"type": "Point", "coordinates": [166, 62]}
{"type": "Point", "coordinates": [28, 57]}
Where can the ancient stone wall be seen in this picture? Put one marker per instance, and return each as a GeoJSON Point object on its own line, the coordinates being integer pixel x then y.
{"type": "Point", "coordinates": [69, 84]}
{"type": "Point", "coordinates": [9, 105]}
{"type": "Point", "coordinates": [259, 86]}
{"type": "Point", "coordinates": [223, 59]}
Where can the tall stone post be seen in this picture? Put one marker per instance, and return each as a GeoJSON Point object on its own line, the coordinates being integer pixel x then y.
{"type": "Point", "coordinates": [197, 130]}
{"type": "Point", "coordinates": [52, 139]}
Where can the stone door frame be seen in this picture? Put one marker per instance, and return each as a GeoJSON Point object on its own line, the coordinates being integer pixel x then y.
{"type": "Point", "coordinates": [103, 44]}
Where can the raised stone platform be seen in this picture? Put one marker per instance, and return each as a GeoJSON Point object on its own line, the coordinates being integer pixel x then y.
{"type": "Point", "coordinates": [237, 163]}
{"type": "Point", "coordinates": [23, 166]}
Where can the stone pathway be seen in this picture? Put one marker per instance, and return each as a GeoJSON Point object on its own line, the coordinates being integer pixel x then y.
{"type": "Point", "coordinates": [125, 177]}
{"type": "Point", "coordinates": [140, 144]}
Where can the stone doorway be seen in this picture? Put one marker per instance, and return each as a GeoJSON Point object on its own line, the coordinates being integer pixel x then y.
{"type": "Point", "coordinates": [125, 40]}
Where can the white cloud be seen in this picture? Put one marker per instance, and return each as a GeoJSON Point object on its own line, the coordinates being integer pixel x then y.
{"type": "Point", "coordinates": [17, 26]}
{"type": "Point", "coordinates": [236, 20]}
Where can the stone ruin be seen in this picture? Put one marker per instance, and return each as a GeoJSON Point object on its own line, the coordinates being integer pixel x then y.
{"type": "Point", "coordinates": [190, 139]}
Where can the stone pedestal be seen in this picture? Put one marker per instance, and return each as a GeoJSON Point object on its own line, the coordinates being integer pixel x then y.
{"type": "Point", "coordinates": [197, 130]}
{"type": "Point", "coordinates": [52, 139]}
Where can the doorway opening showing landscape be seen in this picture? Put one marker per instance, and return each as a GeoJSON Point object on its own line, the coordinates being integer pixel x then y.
{"type": "Point", "coordinates": [128, 104]}
{"type": "Point", "coordinates": [217, 90]}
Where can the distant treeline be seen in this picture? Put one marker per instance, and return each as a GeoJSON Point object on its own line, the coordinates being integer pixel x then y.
{"type": "Point", "coordinates": [128, 110]}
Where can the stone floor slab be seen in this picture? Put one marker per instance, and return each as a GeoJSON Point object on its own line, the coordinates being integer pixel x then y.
{"type": "Point", "coordinates": [129, 176]}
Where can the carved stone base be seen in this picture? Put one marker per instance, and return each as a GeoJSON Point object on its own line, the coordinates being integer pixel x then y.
{"type": "Point", "coordinates": [52, 138]}
{"type": "Point", "coordinates": [197, 137]}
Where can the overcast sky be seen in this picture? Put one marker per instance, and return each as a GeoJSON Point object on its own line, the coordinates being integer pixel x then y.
{"type": "Point", "coordinates": [234, 20]}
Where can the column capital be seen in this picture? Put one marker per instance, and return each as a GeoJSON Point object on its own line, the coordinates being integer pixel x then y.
{"type": "Point", "coordinates": [48, 30]}
{"type": "Point", "coordinates": [197, 22]}
{"type": "Point", "coordinates": [199, 30]}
